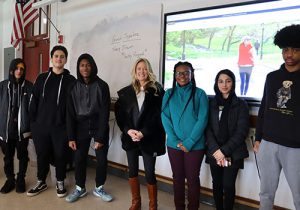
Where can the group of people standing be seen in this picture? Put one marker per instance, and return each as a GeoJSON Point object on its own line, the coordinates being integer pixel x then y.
{"type": "Point", "coordinates": [64, 111]}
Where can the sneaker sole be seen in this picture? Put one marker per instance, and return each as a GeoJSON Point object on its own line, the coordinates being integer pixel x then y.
{"type": "Point", "coordinates": [97, 195]}
{"type": "Point", "coordinates": [61, 195]}
{"type": "Point", "coordinates": [34, 194]}
{"type": "Point", "coordinates": [71, 201]}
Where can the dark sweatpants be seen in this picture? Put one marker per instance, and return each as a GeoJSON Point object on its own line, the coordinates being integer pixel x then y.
{"type": "Point", "coordinates": [81, 155]}
{"type": "Point", "coordinates": [51, 148]}
{"type": "Point", "coordinates": [9, 149]}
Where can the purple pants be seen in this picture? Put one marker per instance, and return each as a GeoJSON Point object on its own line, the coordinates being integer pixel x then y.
{"type": "Point", "coordinates": [186, 166]}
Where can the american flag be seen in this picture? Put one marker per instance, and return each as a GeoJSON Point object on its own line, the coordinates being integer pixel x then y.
{"type": "Point", "coordinates": [25, 15]}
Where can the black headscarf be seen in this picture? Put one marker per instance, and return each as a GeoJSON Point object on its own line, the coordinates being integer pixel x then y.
{"type": "Point", "coordinates": [224, 105]}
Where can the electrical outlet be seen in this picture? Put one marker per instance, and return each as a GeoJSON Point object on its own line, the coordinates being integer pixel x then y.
{"type": "Point", "coordinates": [251, 134]}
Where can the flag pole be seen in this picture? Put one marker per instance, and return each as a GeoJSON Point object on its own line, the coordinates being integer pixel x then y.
{"type": "Point", "coordinates": [51, 22]}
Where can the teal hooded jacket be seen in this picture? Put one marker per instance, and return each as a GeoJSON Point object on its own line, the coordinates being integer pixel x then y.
{"type": "Point", "coordinates": [185, 125]}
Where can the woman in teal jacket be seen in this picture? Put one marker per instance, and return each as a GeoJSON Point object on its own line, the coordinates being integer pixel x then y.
{"type": "Point", "coordinates": [184, 117]}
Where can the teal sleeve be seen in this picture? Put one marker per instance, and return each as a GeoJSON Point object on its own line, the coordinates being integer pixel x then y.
{"type": "Point", "coordinates": [199, 128]}
{"type": "Point", "coordinates": [166, 119]}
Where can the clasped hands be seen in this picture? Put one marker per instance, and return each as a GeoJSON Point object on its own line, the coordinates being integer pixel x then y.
{"type": "Point", "coordinates": [135, 135]}
{"type": "Point", "coordinates": [220, 158]}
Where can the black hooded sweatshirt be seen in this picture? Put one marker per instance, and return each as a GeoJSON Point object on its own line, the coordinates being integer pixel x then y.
{"type": "Point", "coordinates": [14, 102]}
{"type": "Point", "coordinates": [88, 106]}
{"type": "Point", "coordinates": [49, 98]}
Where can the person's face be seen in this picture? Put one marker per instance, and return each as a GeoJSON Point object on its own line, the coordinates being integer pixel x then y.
{"type": "Point", "coordinates": [59, 59]}
{"type": "Point", "coordinates": [141, 72]}
{"type": "Point", "coordinates": [291, 57]}
{"type": "Point", "coordinates": [183, 75]}
{"type": "Point", "coordinates": [19, 71]}
{"type": "Point", "coordinates": [224, 84]}
{"type": "Point", "coordinates": [85, 68]}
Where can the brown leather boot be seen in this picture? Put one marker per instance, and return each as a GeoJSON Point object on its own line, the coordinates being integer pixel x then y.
{"type": "Point", "coordinates": [135, 193]}
{"type": "Point", "coordinates": [152, 193]}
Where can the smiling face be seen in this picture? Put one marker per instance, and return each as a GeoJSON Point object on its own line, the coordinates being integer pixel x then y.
{"type": "Point", "coordinates": [224, 85]}
{"type": "Point", "coordinates": [58, 60]}
{"type": "Point", "coordinates": [141, 73]}
{"type": "Point", "coordinates": [183, 75]}
{"type": "Point", "coordinates": [85, 69]}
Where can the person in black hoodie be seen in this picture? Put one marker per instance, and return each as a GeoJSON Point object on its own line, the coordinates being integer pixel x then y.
{"type": "Point", "coordinates": [14, 124]}
{"type": "Point", "coordinates": [277, 130]}
{"type": "Point", "coordinates": [137, 113]}
{"type": "Point", "coordinates": [48, 121]}
{"type": "Point", "coordinates": [228, 127]}
{"type": "Point", "coordinates": [87, 119]}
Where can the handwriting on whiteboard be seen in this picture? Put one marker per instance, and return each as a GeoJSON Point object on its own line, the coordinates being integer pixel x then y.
{"type": "Point", "coordinates": [128, 45]}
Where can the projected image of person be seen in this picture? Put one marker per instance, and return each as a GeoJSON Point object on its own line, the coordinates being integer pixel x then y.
{"type": "Point", "coordinates": [137, 113]}
{"type": "Point", "coordinates": [184, 116]}
{"type": "Point", "coordinates": [245, 63]}
{"type": "Point", "coordinates": [228, 126]}
{"type": "Point", "coordinates": [277, 131]}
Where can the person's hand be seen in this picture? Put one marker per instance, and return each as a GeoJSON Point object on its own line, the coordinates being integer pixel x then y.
{"type": "Point", "coordinates": [256, 146]}
{"type": "Point", "coordinates": [180, 145]}
{"type": "Point", "coordinates": [98, 145]}
{"type": "Point", "coordinates": [72, 145]}
{"type": "Point", "coordinates": [135, 135]}
{"type": "Point", "coordinates": [218, 155]}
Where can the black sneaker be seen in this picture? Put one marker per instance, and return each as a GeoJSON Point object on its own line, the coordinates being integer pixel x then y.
{"type": "Point", "coordinates": [8, 186]}
{"type": "Point", "coordinates": [20, 185]}
{"type": "Point", "coordinates": [60, 189]}
{"type": "Point", "coordinates": [38, 188]}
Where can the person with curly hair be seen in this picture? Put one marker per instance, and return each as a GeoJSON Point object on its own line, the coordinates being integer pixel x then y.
{"type": "Point", "coordinates": [277, 131]}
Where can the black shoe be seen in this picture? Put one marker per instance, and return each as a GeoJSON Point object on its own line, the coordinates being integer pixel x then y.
{"type": "Point", "coordinates": [20, 185]}
{"type": "Point", "coordinates": [60, 189]}
{"type": "Point", "coordinates": [8, 186]}
{"type": "Point", "coordinates": [38, 188]}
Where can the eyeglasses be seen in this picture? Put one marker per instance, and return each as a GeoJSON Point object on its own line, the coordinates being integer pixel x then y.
{"type": "Point", "coordinates": [182, 73]}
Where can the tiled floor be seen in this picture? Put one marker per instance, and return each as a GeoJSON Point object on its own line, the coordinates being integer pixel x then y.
{"type": "Point", "coordinates": [48, 200]}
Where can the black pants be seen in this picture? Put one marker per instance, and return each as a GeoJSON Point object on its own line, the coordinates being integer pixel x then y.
{"type": "Point", "coordinates": [223, 179]}
{"type": "Point", "coordinates": [51, 148]}
{"type": "Point", "coordinates": [22, 154]}
{"type": "Point", "coordinates": [149, 165]}
{"type": "Point", "coordinates": [81, 155]}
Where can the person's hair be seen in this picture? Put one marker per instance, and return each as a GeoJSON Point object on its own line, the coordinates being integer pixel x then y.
{"type": "Point", "coordinates": [61, 48]}
{"type": "Point", "coordinates": [288, 37]}
{"type": "Point", "coordinates": [151, 79]}
{"type": "Point", "coordinates": [192, 96]}
{"type": "Point", "coordinates": [229, 74]}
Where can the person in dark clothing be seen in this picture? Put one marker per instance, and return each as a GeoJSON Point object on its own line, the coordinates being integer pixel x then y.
{"type": "Point", "coordinates": [14, 124]}
{"type": "Point", "coordinates": [87, 119]}
{"type": "Point", "coordinates": [48, 121]}
{"type": "Point", "coordinates": [138, 117]}
{"type": "Point", "coordinates": [277, 130]}
{"type": "Point", "coordinates": [228, 127]}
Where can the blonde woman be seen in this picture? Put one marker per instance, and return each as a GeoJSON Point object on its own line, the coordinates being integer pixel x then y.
{"type": "Point", "coordinates": [138, 116]}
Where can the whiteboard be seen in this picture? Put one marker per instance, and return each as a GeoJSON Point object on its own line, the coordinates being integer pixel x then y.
{"type": "Point", "coordinates": [116, 38]}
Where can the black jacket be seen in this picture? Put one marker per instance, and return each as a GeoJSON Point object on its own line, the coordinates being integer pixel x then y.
{"type": "Point", "coordinates": [49, 98]}
{"type": "Point", "coordinates": [25, 90]}
{"type": "Point", "coordinates": [88, 107]}
{"type": "Point", "coordinates": [148, 121]}
{"type": "Point", "coordinates": [238, 128]}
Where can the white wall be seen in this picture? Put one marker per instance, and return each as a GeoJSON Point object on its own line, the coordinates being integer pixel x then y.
{"type": "Point", "coordinates": [65, 13]}
{"type": "Point", "coordinates": [1, 42]}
